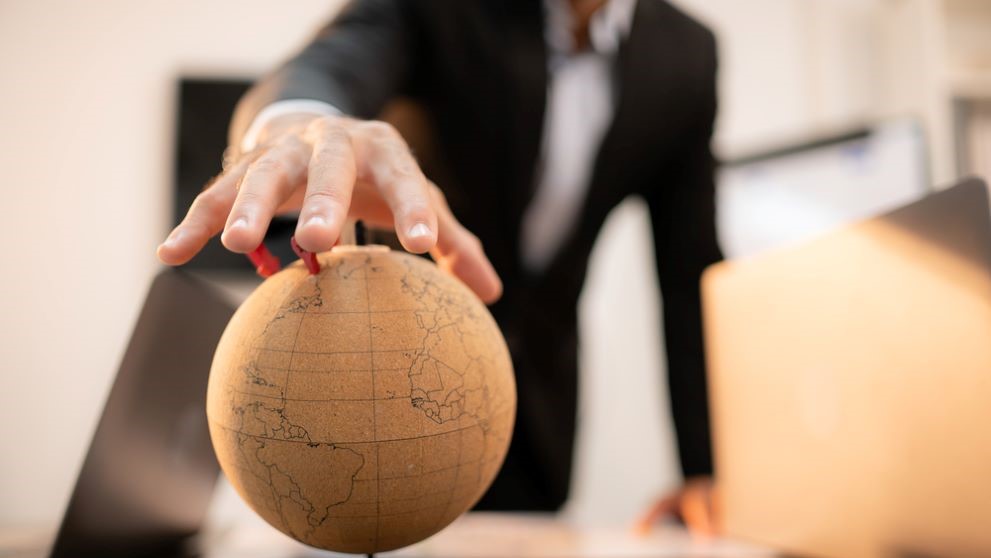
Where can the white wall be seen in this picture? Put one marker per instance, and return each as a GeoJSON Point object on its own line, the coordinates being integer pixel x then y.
{"type": "Point", "coordinates": [85, 152]}
{"type": "Point", "coordinates": [86, 135]}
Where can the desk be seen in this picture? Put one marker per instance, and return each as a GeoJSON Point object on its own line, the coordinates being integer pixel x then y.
{"type": "Point", "coordinates": [475, 535]}
{"type": "Point", "coordinates": [499, 535]}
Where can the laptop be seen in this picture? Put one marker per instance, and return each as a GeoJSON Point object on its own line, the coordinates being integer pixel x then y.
{"type": "Point", "coordinates": [850, 385]}
{"type": "Point", "coordinates": [150, 472]}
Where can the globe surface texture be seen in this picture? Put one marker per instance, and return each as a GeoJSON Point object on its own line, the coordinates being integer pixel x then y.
{"type": "Point", "coordinates": [364, 408]}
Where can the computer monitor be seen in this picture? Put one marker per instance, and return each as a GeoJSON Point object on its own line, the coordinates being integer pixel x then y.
{"type": "Point", "coordinates": [784, 196]}
{"type": "Point", "coordinates": [204, 111]}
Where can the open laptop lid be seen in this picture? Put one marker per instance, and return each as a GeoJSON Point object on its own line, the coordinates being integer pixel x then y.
{"type": "Point", "coordinates": [150, 471]}
{"type": "Point", "coordinates": [850, 380]}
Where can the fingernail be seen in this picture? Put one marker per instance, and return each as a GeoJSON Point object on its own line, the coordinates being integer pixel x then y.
{"type": "Point", "coordinates": [418, 230]}
{"type": "Point", "coordinates": [316, 221]}
{"type": "Point", "coordinates": [239, 223]}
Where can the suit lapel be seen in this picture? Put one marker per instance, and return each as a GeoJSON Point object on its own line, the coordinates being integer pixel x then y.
{"type": "Point", "coordinates": [528, 86]}
{"type": "Point", "coordinates": [645, 76]}
{"type": "Point", "coordinates": [633, 143]}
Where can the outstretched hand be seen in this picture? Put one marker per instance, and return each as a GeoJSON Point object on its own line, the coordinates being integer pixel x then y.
{"type": "Point", "coordinates": [329, 168]}
{"type": "Point", "coordinates": [694, 503]}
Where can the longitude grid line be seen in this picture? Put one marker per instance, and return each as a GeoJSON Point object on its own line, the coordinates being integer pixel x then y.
{"type": "Point", "coordinates": [420, 439]}
{"type": "Point", "coordinates": [457, 476]}
{"type": "Point", "coordinates": [285, 383]}
{"type": "Point", "coordinates": [285, 389]}
{"type": "Point", "coordinates": [378, 463]}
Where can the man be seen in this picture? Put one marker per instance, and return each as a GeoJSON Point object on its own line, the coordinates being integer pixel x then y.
{"type": "Point", "coordinates": [546, 115]}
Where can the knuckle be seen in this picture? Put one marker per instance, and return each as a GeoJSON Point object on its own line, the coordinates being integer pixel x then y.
{"type": "Point", "coordinates": [269, 166]}
{"type": "Point", "coordinates": [325, 131]}
{"type": "Point", "coordinates": [417, 209]}
{"type": "Point", "coordinates": [248, 197]}
{"type": "Point", "coordinates": [206, 203]}
{"type": "Point", "coordinates": [197, 227]}
{"type": "Point", "coordinates": [473, 241]}
{"type": "Point", "coordinates": [328, 155]}
{"type": "Point", "coordinates": [322, 123]}
{"type": "Point", "coordinates": [404, 196]}
{"type": "Point", "coordinates": [335, 134]}
{"type": "Point", "coordinates": [204, 200]}
{"type": "Point", "coordinates": [205, 208]}
{"type": "Point", "coordinates": [437, 197]}
{"type": "Point", "coordinates": [287, 147]}
{"type": "Point", "coordinates": [377, 129]}
{"type": "Point", "coordinates": [407, 185]}
{"type": "Point", "coordinates": [331, 173]}
{"type": "Point", "coordinates": [464, 240]}
{"type": "Point", "coordinates": [329, 195]}
{"type": "Point", "coordinates": [406, 167]}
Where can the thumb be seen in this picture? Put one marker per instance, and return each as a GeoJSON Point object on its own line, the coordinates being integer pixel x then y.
{"type": "Point", "coordinates": [663, 507]}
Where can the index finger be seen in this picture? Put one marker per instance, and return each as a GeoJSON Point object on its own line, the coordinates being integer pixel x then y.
{"type": "Point", "coordinates": [205, 218]}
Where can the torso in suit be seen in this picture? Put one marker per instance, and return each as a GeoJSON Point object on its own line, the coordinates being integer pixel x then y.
{"type": "Point", "coordinates": [480, 70]}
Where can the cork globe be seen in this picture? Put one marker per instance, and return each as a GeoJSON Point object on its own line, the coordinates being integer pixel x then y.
{"type": "Point", "coordinates": [363, 408]}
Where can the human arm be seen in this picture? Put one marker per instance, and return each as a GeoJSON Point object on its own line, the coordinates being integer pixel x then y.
{"type": "Point", "coordinates": [331, 167]}
{"type": "Point", "coordinates": [683, 218]}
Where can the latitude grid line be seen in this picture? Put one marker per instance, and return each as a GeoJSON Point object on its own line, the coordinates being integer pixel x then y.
{"type": "Point", "coordinates": [391, 369]}
{"type": "Point", "coordinates": [393, 514]}
{"type": "Point", "coordinates": [339, 400]}
{"type": "Point", "coordinates": [409, 499]}
{"type": "Point", "coordinates": [332, 352]}
{"type": "Point", "coordinates": [347, 443]}
{"type": "Point", "coordinates": [479, 462]}
{"type": "Point", "coordinates": [329, 370]}
{"type": "Point", "coordinates": [335, 312]}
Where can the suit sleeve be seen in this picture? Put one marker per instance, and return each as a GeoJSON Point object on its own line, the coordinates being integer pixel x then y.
{"type": "Point", "coordinates": [682, 209]}
{"type": "Point", "coordinates": [356, 63]}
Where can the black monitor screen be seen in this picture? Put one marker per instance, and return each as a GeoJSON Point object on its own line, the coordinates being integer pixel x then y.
{"type": "Point", "coordinates": [205, 108]}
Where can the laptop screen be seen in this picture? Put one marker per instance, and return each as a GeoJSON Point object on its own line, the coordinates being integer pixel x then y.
{"type": "Point", "coordinates": [150, 471]}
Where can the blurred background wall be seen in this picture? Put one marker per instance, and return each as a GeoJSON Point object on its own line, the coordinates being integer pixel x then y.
{"type": "Point", "coordinates": [87, 124]}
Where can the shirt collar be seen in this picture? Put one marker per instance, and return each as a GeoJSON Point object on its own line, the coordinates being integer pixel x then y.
{"type": "Point", "coordinates": [609, 25]}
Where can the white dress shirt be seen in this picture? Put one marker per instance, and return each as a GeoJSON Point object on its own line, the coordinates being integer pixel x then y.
{"type": "Point", "coordinates": [579, 110]}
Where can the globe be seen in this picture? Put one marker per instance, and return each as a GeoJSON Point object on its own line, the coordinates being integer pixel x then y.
{"type": "Point", "coordinates": [363, 408]}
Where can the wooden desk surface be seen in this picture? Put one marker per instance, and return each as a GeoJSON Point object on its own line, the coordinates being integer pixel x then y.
{"type": "Point", "coordinates": [476, 535]}
{"type": "Point", "coordinates": [496, 535]}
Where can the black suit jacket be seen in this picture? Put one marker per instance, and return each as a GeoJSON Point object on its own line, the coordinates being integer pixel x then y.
{"type": "Point", "coordinates": [479, 68]}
